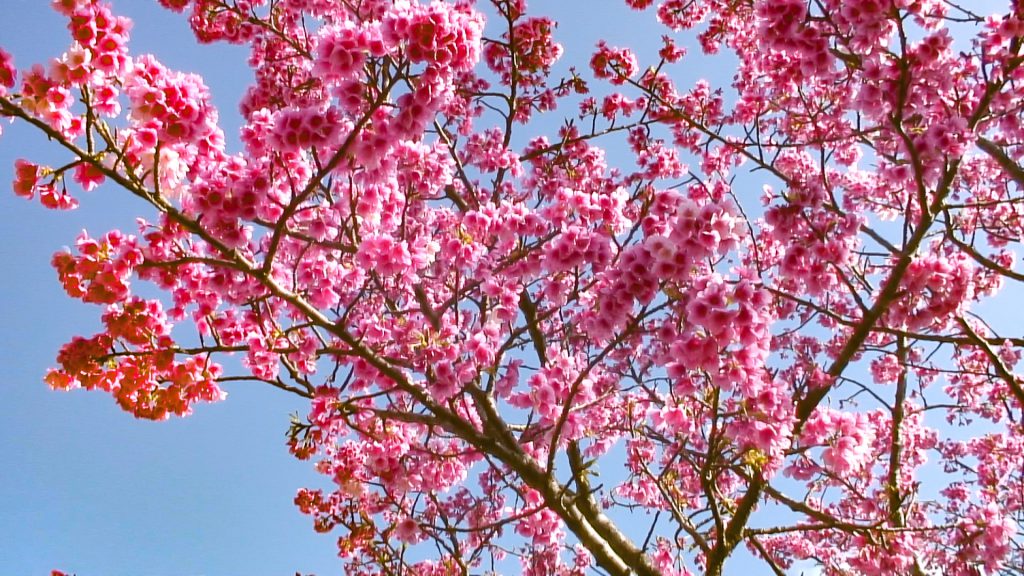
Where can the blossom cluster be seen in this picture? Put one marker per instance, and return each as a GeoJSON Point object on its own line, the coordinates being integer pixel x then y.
{"type": "Point", "coordinates": [501, 336]}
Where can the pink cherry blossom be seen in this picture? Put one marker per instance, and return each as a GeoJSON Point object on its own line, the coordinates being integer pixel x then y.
{"type": "Point", "coordinates": [680, 321]}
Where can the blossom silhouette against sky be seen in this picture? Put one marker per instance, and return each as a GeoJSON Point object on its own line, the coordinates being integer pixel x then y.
{"type": "Point", "coordinates": [86, 487]}
{"type": "Point", "coordinates": [90, 490]}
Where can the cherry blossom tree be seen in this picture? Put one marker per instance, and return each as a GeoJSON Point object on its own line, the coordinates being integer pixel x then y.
{"type": "Point", "coordinates": [767, 331]}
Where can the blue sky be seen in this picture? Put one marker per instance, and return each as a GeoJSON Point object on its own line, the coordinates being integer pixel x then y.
{"type": "Point", "coordinates": [85, 487]}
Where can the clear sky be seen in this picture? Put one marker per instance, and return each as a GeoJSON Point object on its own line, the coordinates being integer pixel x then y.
{"type": "Point", "coordinates": [85, 487]}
